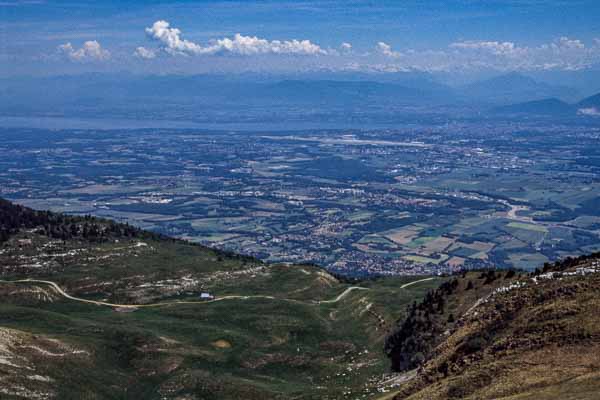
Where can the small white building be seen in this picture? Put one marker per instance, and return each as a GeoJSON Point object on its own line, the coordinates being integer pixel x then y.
{"type": "Point", "coordinates": [206, 296]}
{"type": "Point", "coordinates": [25, 242]}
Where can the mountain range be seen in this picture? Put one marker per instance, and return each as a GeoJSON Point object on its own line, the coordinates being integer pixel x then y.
{"type": "Point", "coordinates": [553, 107]}
{"type": "Point", "coordinates": [264, 97]}
{"type": "Point", "coordinates": [507, 88]}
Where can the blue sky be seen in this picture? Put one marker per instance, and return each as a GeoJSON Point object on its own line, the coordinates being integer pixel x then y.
{"type": "Point", "coordinates": [51, 37]}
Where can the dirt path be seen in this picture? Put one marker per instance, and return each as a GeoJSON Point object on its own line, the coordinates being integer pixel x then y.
{"type": "Point", "coordinates": [60, 291]}
{"type": "Point", "coordinates": [415, 282]}
{"type": "Point", "coordinates": [342, 295]}
{"type": "Point", "coordinates": [64, 294]}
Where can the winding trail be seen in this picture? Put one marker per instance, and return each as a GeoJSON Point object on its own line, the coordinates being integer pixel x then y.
{"type": "Point", "coordinates": [342, 295]}
{"type": "Point", "coordinates": [64, 294]}
{"type": "Point", "coordinates": [415, 282]}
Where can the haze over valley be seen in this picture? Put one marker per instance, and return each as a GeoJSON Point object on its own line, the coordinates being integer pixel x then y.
{"type": "Point", "coordinates": [427, 198]}
{"type": "Point", "coordinates": [315, 200]}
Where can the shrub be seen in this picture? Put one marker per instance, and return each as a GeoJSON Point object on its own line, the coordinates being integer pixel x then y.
{"type": "Point", "coordinates": [475, 344]}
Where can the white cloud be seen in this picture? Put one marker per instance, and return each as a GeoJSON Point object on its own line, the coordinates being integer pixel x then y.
{"type": "Point", "coordinates": [142, 52]}
{"type": "Point", "coordinates": [564, 53]}
{"type": "Point", "coordinates": [386, 50]}
{"type": "Point", "coordinates": [17, 3]}
{"type": "Point", "coordinates": [90, 51]}
{"type": "Point", "coordinates": [248, 45]}
{"type": "Point", "coordinates": [494, 47]}
{"type": "Point", "coordinates": [590, 112]}
{"type": "Point", "coordinates": [346, 47]}
{"type": "Point", "coordinates": [170, 39]}
{"type": "Point", "coordinates": [172, 43]}
{"type": "Point", "coordinates": [566, 43]}
{"type": "Point", "coordinates": [561, 54]}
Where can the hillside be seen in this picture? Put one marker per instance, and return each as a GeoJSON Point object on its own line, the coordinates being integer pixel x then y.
{"type": "Point", "coordinates": [515, 88]}
{"type": "Point", "coordinates": [15, 218]}
{"type": "Point", "coordinates": [549, 107]}
{"type": "Point", "coordinates": [592, 101]}
{"type": "Point", "coordinates": [589, 106]}
{"type": "Point", "coordinates": [207, 97]}
{"type": "Point", "coordinates": [505, 336]}
{"type": "Point", "coordinates": [120, 316]}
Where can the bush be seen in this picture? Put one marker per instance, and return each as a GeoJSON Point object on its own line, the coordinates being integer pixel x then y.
{"type": "Point", "coordinates": [474, 344]}
{"type": "Point", "coordinates": [457, 392]}
{"type": "Point", "coordinates": [417, 358]}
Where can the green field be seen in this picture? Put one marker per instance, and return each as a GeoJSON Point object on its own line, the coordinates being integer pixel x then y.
{"type": "Point", "coordinates": [530, 227]}
{"type": "Point", "coordinates": [291, 337]}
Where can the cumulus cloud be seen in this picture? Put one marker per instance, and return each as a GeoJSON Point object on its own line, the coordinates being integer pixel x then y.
{"type": "Point", "coordinates": [386, 50]}
{"type": "Point", "coordinates": [142, 52]}
{"type": "Point", "coordinates": [172, 43]}
{"type": "Point", "coordinates": [252, 45]}
{"type": "Point", "coordinates": [494, 47]}
{"type": "Point", "coordinates": [566, 43]}
{"type": "Point", "coordinates": [90, 51]}
{"type": "Point", "coordinates": [171, 40]}
{"type": "Point", "coordinates": [563, 53]}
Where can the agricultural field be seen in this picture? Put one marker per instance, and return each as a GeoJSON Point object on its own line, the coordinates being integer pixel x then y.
{"type": "Point", "coordinates": [419, 200]}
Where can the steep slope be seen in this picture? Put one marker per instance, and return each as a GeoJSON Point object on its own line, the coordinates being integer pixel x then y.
{"type": "Point", "coordinates": [546, 107]}
{"type": "Point", "coordinates": [592, 101]}
{"type": "Point", "coordinates": [531, 337]}
{"type": "Point", "coordinates": [121, 317]}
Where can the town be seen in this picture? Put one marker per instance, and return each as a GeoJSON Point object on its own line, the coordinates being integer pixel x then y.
{"type": "Point", "coordinates": [427, 199]}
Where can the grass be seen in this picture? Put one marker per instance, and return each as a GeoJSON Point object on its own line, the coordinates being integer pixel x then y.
{"type": "Point", "coordinates": [275, 348]}
{"type": "Point", "coordinates": [426, 260]}
{"type": "Point", "coordinates": [529, 227]}
{"type": "Point", "coordinates": [420, 241]}
{"type": "Point", "coordinates": [276, 339]}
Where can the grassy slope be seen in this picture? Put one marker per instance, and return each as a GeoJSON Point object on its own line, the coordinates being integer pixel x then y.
{"type": "Point", "coordinates": [253, 348]}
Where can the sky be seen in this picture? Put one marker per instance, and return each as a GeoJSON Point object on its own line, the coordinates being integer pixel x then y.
{"type": "Point", "coordinates": [72, 37]}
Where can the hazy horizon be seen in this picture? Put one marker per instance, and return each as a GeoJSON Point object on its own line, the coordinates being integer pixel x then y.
{"type": "Point", "coordinates": [445, 37]}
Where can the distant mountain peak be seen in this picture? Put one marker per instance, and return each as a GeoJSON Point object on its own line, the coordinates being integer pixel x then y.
{"type": "Point", "coordinates": [515, 87]}
{"type": "Point", "coordinates": [550, 106]}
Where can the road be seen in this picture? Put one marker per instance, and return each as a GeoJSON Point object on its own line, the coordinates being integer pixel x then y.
{"type": "Point", "coordinates": [64, 294]}
{"type": "Point", "coordinates": [415, 282]}
{"type": "Point", "coordinates": [514, 209]}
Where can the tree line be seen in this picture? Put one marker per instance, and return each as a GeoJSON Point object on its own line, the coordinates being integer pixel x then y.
{"type": "Point", "coordinates": [14, 218]}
